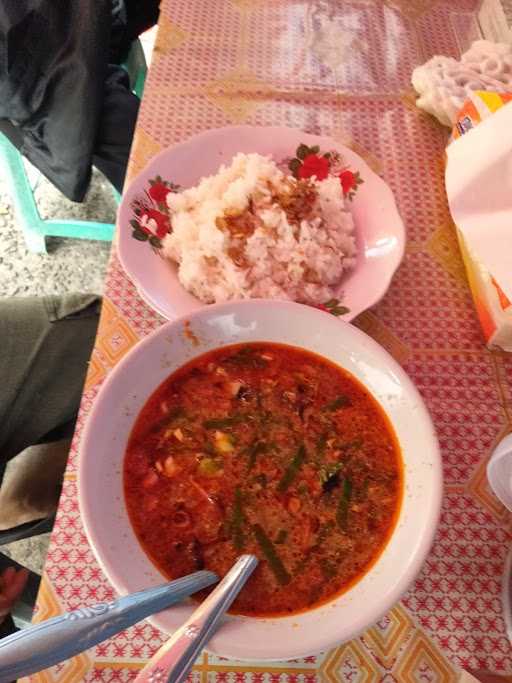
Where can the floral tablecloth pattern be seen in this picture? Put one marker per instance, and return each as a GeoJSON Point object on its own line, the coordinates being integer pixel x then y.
{"type": "Point", "coordinates": [340, 68]}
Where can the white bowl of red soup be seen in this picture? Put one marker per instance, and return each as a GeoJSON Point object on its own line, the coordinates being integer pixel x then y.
{"type": "Point", "coordinates": [270, 428]}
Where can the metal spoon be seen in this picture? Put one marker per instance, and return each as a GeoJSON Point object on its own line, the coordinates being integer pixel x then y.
{"type": "Point", "coordinates": [173, 661]}
{"type": "Point", "coordinates": [55, 640]}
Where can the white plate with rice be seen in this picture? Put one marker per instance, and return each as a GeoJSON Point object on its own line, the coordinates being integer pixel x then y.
{"type": "Point", "coordinates": [259, 212]}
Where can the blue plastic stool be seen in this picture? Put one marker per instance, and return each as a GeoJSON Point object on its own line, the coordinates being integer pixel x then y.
{"type": "Point", "coordinates": [35, 228]}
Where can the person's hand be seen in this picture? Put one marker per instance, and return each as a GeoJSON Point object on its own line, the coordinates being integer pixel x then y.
{"type": "Point", "coordinates": [12, 583]}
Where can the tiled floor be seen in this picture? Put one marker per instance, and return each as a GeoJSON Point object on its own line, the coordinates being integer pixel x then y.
{"type": "Point", "coordinates": [71, 265]}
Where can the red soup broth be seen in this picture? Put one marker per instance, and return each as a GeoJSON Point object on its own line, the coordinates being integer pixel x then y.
{"type": "Point", "coordinates": [268, 449]}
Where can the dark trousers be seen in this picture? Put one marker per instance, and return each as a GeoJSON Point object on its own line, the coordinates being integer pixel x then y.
{"type": "Point", "coordinates": [46, 346]}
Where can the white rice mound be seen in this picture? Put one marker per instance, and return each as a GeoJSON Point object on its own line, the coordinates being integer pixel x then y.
{"type": "Point", "coordinates": [279, 256]}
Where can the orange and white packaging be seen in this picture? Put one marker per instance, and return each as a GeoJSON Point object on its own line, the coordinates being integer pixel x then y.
{"type": "Point", "coordinates": [479, 189]}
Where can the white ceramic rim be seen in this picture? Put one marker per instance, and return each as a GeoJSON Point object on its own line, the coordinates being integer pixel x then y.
{"type": "Point", "coordinates": [222, 644]}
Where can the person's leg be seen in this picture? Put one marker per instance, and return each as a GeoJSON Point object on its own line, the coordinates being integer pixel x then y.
{"type": "Point", "coordinates": [46, 344]}
{"type": "Point", "coordinates": [116, 127]}
{"type": "Point", "coordinates": [31, 487]}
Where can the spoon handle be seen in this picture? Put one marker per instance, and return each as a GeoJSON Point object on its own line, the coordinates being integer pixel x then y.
{"type": "Point", "coordinates": [57, 639]}
{"type": "Point", "coordinates": [173, 661]}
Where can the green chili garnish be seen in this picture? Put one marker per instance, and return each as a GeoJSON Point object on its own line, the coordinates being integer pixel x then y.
{"type": "Point", "coordinates": [174, 413]}
{"type": "Point", "coordinates": [329, 570]}
{"type": "Point", "coordinates": [291, 471]}
{"type": "Point", "coordinates": [248, 357]}
{"type": "Point", "coordinates": [344, 502]}
{"type": "Point", "coordinates": [273, 559]}
{"type": "Point", "coordinates": [352, 445]}
{"type": "Point", "coordinates": [321, 444]}
{"type": "Point", "coordinates": [223, 422]}
{"type": "Point", "coordinates": [281, 536]}
{"type": "Point", "coordinates": [342, 401]}
{"type": "Point", "coordinates": [254, 450]}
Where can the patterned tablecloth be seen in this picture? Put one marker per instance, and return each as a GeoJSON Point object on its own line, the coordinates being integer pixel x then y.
{"type": "Point", "coordinates": [340, 68]}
